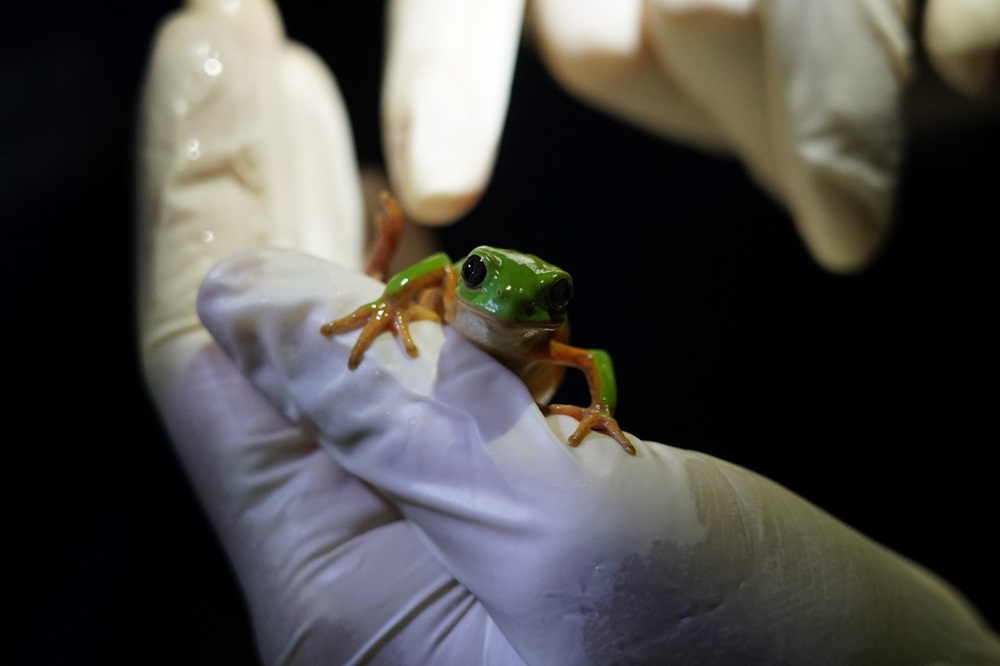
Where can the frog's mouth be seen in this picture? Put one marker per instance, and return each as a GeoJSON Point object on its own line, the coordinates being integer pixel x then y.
{"type": "Point", "coordinates": [498, 336]}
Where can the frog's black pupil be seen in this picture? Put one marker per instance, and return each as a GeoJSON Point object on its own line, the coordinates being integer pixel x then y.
{"type": "Point", "coordinates": [559, 293]}
{"type": "Point", "coordinates": [473, 271]}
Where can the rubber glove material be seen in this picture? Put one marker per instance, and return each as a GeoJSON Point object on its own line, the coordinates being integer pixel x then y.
{"type": "Point", "coordinates": [582, 555]}
{"type": "Point", "coordinates": [449, 533]}
{"type": "Point", "coordinates": [808, 95]}
{"type": "Point", "coordinates": [244, 141]}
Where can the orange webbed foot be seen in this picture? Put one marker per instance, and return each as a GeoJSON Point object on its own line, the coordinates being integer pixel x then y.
{"type": "Point", "coordinates": [377, 317]}
{"type": "Point", "coordinates": [594, 418]}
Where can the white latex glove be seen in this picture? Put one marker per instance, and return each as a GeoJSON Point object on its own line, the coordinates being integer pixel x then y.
{"type": "Point", "coordinates": [806, 94]}
{"type": "Point", "coordinates": [963, 42]}
{"type": "Point", "coordinates": [451, 524]}
{"type": "Point", "coordinates": [245, 142]}
{"type": "Point", "coordinates": [583, 555]}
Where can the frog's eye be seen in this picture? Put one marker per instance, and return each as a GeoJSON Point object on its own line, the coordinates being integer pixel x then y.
{"type": "Point", "coordinates": [559, 294]}
{"type": "Point", "coordinates": [474, 271]}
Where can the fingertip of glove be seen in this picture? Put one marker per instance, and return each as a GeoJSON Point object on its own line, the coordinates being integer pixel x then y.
{"type": "Point", "coordinates": [843, 227]}
{"type": "Point", "coordinates": [277, 281]}
{"type": "Point", "coordinates": [439, 169]}
{"type": "Point", "coordinates": [973, 73]}
{"type": "Point", "coordinates": [227, 278]}
{"type": "Point", "coordinates": [963, 43]}
{"type": "Point", "coordinates": [437, 208]}
{"type": "Point", "coordinates": [209, 43]}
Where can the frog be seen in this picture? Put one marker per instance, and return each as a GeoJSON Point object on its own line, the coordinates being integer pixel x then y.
{"type": "Point", "coordinates": [510, 304]}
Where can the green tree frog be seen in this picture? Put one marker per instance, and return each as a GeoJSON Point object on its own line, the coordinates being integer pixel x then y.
{"type": "Point", "coordinates": [510, 304]}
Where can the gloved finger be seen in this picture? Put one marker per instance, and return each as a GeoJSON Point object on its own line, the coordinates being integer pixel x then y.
{"type": "Point", "coordinates": [200, 177]}
{"type": "Point", "coordinates": [809, 96]}
{"type": "Point", "coordinates": [582, 555]}
{"type": "Point", "coordinates": [210, 131]}
{"type": "Point", "coordinates": [318, 205]}
{"type": "Point", "coordinates": [816, 122]}
{"type": "Point", "coordinates": [837, 110]}
{"type": "Point", "coordinates": [236, 129]}
{"type": "Point", "coordinates": [601, 52]}
{"type": "Point", "coordinates": [963, 42]}
{"type": "Point", "coordinates": [447, 84]}
{"type": "Point", "coordinates": [726, 83]}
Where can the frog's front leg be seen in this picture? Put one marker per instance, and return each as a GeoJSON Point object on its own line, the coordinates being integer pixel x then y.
{"type": "Point", "coordinates": [404, 300]}
{"type": "Point", "coordinates": [596, 366]}
{"type": "Point", "coordinates": [389, 224]}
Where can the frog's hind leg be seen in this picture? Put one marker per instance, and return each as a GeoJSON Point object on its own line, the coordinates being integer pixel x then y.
{"type": "Point", "coordinates": [389, 223]}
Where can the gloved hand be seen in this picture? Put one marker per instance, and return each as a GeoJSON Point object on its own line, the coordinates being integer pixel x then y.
{"type": "Point", "coordinates": [581, 555]}
{"type": "Point", "coordinates": [451, 523]}
{"type": "Point", "coordinates": [806, 94]}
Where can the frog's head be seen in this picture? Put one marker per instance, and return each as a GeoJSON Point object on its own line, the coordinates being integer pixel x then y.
{"type": "Point", "coordinates": [514, 288]}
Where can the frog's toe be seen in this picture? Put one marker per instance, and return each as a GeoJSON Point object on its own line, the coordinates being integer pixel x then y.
{"type": "Point", "coordinates": [356, 319]}
{"type": "Point", "coordinates": [373, 327]}
{"type": "Point", "coordinates": [401, 328]}
{"type": "Point", "coordinates": [331, 328]}
{"type": "Point", "coordinates": [607, 425]}
{"type": "Point", "coordinates": [357, 353]}
{"type": "Point", "coordinates": [610, 428]}
{"type": "Point", "coordinates": [594, 418]}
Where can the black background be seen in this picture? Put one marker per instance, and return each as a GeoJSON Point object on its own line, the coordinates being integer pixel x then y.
{"type": "Point", "coordinates": [870, 395]}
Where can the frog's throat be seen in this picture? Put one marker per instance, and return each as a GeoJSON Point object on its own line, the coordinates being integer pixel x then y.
{"type": "Point", "coordinates": [504, 340]}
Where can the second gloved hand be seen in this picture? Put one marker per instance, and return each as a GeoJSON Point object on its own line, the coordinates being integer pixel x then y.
{"type": "Point", "coordinates": [808, 95]}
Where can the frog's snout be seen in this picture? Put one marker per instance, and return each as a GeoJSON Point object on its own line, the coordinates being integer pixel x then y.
{"type": "Point", "coordinates": [529, 307]}
{"type": "Point", "coordinates": [517, 300]}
